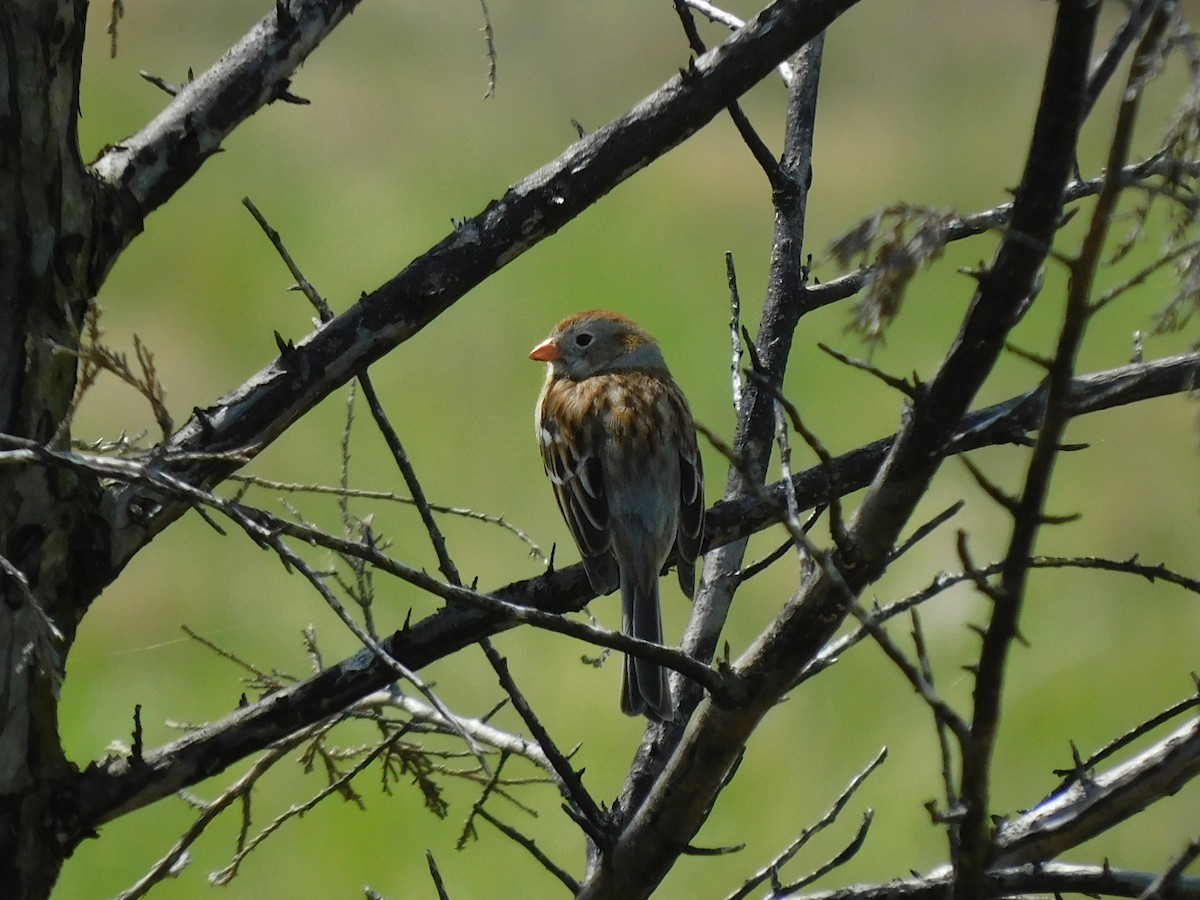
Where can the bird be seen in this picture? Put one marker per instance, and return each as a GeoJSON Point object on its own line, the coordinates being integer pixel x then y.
{"type": "Point", "coordinates": [618, 443]}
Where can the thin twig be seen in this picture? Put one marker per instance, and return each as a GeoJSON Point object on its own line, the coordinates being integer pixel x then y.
{"type": "Point", "coordinates": [548, 864]}
{"type": "Point", "coordinates": [941, 709]}
{"type": "Point", "coordinates": [436, 875]}
{"type": "Point", "coordinates": [523, 536]}
{"type": "Point", "coordinates": [771, 870]}
{"type": "Point", "coordinates": [570, 782]}
{"type": "Point", "coordinates": [942, 729]}
{"type": "Point", "coordinates": [735, 331]}
{"type": "Point", "coordinates": [489, 37]}
{"type": "Point", "coordinates": [840, 859]}
{"type": "Point", "coordinates": [758, 148]}
{"type": "Point", "coordinates": [1165, 885]}
{"type": "Point", "coordinates": [733, 23]}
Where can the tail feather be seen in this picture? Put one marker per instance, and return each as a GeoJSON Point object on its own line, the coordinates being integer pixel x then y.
{"type": "Point", "coordinates": [644, 688]}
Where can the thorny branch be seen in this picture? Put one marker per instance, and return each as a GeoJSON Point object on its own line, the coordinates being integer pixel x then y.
{"type": "Point", "coordinates": [974, 830]}
{"type": "Point", "coordinates": [177, 477]}
{"type": "Point", "coordinates": [107, 789]}
{"type": "Point", "coordinates": [681, 797]}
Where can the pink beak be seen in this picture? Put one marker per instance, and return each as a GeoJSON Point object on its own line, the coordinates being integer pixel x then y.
{"type": "Point", "coordinates": [546, 351]}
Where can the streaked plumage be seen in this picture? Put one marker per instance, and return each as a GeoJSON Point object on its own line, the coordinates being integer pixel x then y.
{"type": "Point", "coordinates": [619, 445]}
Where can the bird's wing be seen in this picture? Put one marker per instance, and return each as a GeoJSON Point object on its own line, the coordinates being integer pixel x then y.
{"type": "Point", "coordinates": [691, 502]}
{"type": "Point", "coordinates": [579, 488]}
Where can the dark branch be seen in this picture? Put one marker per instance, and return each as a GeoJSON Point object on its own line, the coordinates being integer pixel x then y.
{"type": "Point", "coordinates": [259, 411]}
{"type": "Point", "coordinates": [111, 787]}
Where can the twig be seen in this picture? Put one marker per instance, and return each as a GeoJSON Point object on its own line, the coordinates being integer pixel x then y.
{"type": "Point", "coordinates": [489, 37]}
{"type": "Point", "coordinates": [436, 875]}
{"type": "Point", "coordinates": [1165, 886]}
{"type": "Point", "coordinates": [1106, 66]}
{"type": "Point", "coordinates": [942, 729]}
{"type": "Point", "coordinates": [293, 559]}
{"type": "Point", "coordinates": [225, 875]}
{"type": "Point", "coordinates": [944, 581]}
{"type": "Point", "coordinates": [841, 859]}
{"type": "Point", "coordinates": [942, 710]}
{"type": "Point", "coordinates": [899, 384]}
{"type": "Point", "coordinates": [1052, 878]}
{"type": "Point", "coordinates": [176, 856]}
{"type": "Point", "coordinates": [570, 782]}
{"type": "Point", "coordinates": [735, 332]}
{"type": "Point", "coordinates": [733, 23]}
{"type": "Point", "coordinates": [927, 529]}
{"type": "Point", "coordinates": [954, 228]}
{"type": "Point", "coordinates": [324, 312]}
{"type": "Point", "coordinates": [1119, 743]}
{"type": "Point", "coordinates": [468, 829]}
{"type": "Point", "coordinates": [548, 864]}
{"type": "Point", "coordinates": [118, 10]}
{"type": "Point", "coordinates": [837, 525]}
{"type": "Point", "coordinates": [1093, 806]}
{"type": "Point", "coordinates": [523, 536]}
{"type": "Point", "coordinates": [758, 149]}
{"type": "Point", "coordinates": [771, 870]}
{"type": "Point", "coordinates": [775, 555]}
{"type": "Point", "coordinates": [504, 741]}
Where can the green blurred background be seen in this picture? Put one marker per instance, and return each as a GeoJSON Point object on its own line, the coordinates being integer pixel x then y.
{"type": "Point", "coordinates": [923, 102]}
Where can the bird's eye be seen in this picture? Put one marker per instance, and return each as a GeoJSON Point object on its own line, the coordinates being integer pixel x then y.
{"type": "Point", "coordinates": [582, 340]}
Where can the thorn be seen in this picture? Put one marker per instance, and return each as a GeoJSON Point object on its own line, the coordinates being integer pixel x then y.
{"type": "Point", "coordinates": [160, 83]}
{"type": "Point", "coordinates": [136, 751]}
{"type": "Point", "coordinates": [689, 73]}
{"type": "Point", "coordinates": [752, 350]}
{"type": "Point", "coordinates": [591, 829]}
{"type": "Point", "coordinates": [206, 425]}
{"type": "Point", "coordinates": [283, 16]}
{"type": "Point", "coordinates": [281, 92]}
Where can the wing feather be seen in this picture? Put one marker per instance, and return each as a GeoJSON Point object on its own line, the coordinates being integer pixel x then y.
{"type": "Point", "coordinates": [690, 530]}
{"type": "Point", "coordinates": [578, 482]}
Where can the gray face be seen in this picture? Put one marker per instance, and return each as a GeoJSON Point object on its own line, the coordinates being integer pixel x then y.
{"type": "Point", "coordinates": [596, 345]}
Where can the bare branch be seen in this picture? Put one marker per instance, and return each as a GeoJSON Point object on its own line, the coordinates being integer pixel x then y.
{"type": "Point", "coordinates": [110, 787]}
{"type": "Point", "coordinates": [1041, 878]}
{"type": "Point", "coordinates": [1084, 810]}
{"type": "Point", "coordinates": [703, 758]}
{"type": "Point", "coordinates": [771, 870]}
{"type": "Point", "coordinates": [265, 406]}
{"type": "Point", "coordinates": [147, 168]}
{"type": "Point", "coordinates": [974, 828]}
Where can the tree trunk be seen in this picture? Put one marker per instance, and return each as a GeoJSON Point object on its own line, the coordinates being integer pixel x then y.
{"type": "Point", "coordinates": [48, 534]}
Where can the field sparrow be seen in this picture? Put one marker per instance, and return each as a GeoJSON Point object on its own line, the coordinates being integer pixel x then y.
{"type": "Point", "coordinates": [619, 445]}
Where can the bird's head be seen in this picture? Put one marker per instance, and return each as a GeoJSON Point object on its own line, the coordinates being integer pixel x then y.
{"type": "Point", "coordinates": [595, 343]}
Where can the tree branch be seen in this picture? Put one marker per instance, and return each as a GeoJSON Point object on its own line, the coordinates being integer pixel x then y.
{"type": "Point", "coordinates": [254, 415]}
{"type": "Point", "coordinates": [1093, 805]}
{"type": "Point", "coordinates": [1047, 878]}
{"type": "Point", "coordinates": [681, 798]}
{"type": "Point", "coordinates": [143, 171]}
{"type": "Point", "coordinates": [112, 787]}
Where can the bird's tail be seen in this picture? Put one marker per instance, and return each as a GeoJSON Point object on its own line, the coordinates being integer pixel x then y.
{"type": "Point", "coordinates": [644, 688]}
